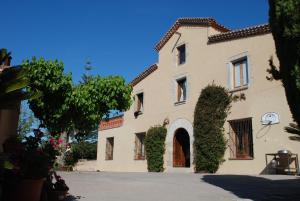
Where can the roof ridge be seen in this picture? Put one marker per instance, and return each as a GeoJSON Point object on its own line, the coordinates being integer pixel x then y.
{"type": "Point", "coordinates": [144, 74]}
{"type": "Point", "coordinates": [203, 21]}
{"type": "Point", "coordinates": [241, 33]}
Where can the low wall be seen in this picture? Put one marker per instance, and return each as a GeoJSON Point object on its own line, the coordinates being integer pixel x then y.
{"type": "Point", "coordinates": [86, 165]}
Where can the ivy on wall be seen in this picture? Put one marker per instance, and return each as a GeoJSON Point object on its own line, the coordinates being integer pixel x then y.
{"type": "Point", "coordinates": [155, 148]}
{"type": "Point", "coordinates": [209, 117]}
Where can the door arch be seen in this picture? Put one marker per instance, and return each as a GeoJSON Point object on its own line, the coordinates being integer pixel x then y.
{"type": "Point", "coordinates": [181, 148]}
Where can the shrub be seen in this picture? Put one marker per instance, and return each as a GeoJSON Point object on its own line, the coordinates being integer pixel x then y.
{"type": "Point", "coordinates": [209, 117]}
{"type": "Point", "coordinates": [81, 150]}
{"type": "Point", "coordinates": [69, 159]}
{"type": "Point", "coordinates": [155, 148]}
{"type": "Point", "coordinates": [84, 150]}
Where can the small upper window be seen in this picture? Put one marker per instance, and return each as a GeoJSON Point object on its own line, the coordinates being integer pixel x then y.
{"type": "Point", "coordinates": [240, 73]}
{"type": "Point", "coordinates": [139, 104]}
{"type": "Point", "coordinates": [181, 54]}
{"type": "Point", "coordinates": [181, 90]}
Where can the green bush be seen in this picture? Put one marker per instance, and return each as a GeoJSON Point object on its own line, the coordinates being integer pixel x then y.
{"type": "Point", "coordinates": [209, 117]}
{"type": "Point", "coordinates": [69, 159]}
{"type": "Point", "coordinates": [84, 150]}
{"type": "Point", "coordinates": [81, 150]}
{"type": "Point", "coordinates": [155, 148]}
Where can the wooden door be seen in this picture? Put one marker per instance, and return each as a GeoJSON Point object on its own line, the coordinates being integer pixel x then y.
{"type": "Point", "coordinates": [178, 152]}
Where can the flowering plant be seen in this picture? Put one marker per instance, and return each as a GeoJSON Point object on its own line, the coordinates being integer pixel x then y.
{"type": "Point", "coordinates": [34, 162]}
{"type": "Point", "coordinates": [36, 157]}
{"type": "Point", "coordinates": [53, 147]}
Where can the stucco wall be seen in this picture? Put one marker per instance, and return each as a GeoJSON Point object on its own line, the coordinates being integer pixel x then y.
{"type": "Point", "coordinates": [205, 64]}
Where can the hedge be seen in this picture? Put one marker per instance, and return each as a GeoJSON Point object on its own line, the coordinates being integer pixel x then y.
{"type": "Point", "coordinates": [155, 148]}
{"type": "Point", "coordinates": [209, 117]}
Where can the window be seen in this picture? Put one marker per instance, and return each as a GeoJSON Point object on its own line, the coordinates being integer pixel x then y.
{"type": "Point", "coordinates": [139, 103]}
{"type": "Point", "coordinates": [240, 73]}
{"type": "Point", "coordinates": [139, 151]}
{"type": "Point", "coordinates": [240, 139]}
{"type": "Point", "coordinates": [181, 54]}
{"type": "Point", "coordinates": [109, 148]}
{"type": "Point", "coordinates": [181, 90]}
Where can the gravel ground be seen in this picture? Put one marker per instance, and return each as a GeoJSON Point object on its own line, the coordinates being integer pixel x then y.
{"type": "Point", "coordinates": [108, 186]}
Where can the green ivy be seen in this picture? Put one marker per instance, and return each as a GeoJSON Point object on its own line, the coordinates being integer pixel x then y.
{"type": "Point", "coordinates": [209, 118]}
{"type": "Point", "coordinates": [155, 148]}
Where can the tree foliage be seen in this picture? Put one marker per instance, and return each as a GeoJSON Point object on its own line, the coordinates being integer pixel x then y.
{"type": "Point", "coordinates": [284, 18]}
{"type": "Point", "coordinates": [53, 108]}
{"type": "Point", "coordinates": [87, 76]}
{"type": "Point", "coordinates": [209, 118]}
{"type": "Point", "coordinates": [155, 148]}
{"type": "Point", "coordinates": [66, 107]}
{"type": "Point", "coordinates": [26, 120]}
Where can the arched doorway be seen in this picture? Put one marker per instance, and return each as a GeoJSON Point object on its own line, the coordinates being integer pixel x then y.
{"type": "Point", "coordinates": [181, 148]}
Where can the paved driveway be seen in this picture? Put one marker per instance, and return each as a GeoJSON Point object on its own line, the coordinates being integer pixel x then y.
{"type": "Point", "coordinates": [104, 186]}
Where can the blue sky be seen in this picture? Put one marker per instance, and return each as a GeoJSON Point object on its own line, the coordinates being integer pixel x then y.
{"type": "Point", "coordinates": [118, 37]}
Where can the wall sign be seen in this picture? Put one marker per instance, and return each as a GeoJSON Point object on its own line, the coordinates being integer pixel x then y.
{"type": "Point", "coordinates": [270, 118]}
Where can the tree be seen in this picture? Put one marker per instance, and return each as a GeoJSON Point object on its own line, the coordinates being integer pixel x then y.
{"type": "Point", "coordinates": [52, 109]}
{"type": "Point", "coordinates": [86, 76]}
{"type": "Point", "coordinates": [26, 120]}
{"type": "Point", "coordinates": [68, 108]}
{"type": "Point", "coordinates": [284, 18]}
{"type": "Point", "coordinates": [209, 117]}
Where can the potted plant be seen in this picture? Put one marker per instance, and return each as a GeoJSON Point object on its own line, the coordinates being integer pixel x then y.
{"type": "Point", "coordinates": [26, 172]}
{"type": "Point", "coordinates": [34, 168]}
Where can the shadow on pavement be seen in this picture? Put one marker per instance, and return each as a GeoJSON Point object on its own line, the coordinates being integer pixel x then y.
{"type": "Point", "coordinates": [72, 198]}
{"type": "Point", "coordinates": [256, 188]}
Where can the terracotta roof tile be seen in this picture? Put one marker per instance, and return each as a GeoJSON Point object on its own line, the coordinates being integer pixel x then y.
{"type": "Point", "coordinates": [144, 74]}
{"type": "Point", "coordinates": [189, 22]}
{"type": "Point", "coordinates": [240, 33]}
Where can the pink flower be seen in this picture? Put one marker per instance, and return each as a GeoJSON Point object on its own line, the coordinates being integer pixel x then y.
{"type": "Point", "coordinates": [52, 141]}
{"type": "Point", "coordinates": [60, 141]}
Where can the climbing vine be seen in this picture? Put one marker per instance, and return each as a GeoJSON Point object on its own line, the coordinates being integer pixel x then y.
{"type": "Point", "coordinates": [155, 148]}
{"type": "Point", "coordinates": [209, 118]}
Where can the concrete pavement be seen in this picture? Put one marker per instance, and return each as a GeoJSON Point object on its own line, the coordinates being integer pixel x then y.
{"type": "Point", "coordinates": [109, 186]}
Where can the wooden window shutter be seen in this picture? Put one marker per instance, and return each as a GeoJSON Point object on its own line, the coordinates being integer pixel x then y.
{"type": "Point", "coordinates": [135, 147]}
{"type": "Point", "coordinates": [178, 91]}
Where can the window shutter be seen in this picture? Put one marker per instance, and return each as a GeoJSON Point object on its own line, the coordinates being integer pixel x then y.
{"type": "Point", "coordinates": [231, 142]}
{"type": "Point", "coordinates": [178, 92]}
{"type": "Point", "coordinates": [135, 147]}
{"type": "Point", "coordinates": [237, 75]}
{"type": "Point", "coordinates": [246, 72]}
{"type": "Point", "coordinates": [108, 149]}
{"type": "Point", "coordinates": [184, 89]}
{"type": "Point", "coordinates": [139, 104]}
